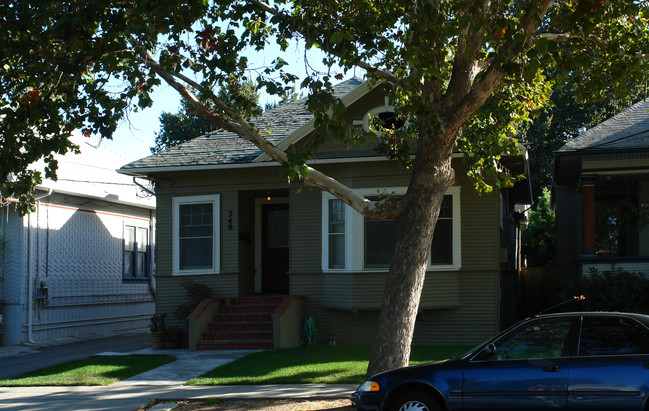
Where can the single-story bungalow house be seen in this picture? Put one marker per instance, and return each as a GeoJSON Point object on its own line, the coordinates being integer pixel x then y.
{"type": "Point", "coordinates": [229, 219]}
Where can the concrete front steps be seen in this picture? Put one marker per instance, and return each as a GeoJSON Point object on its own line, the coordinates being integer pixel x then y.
{"type": "Point", "coordinates": [244, 323]}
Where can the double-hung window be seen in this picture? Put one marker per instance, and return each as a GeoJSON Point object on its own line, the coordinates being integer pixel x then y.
{"type": "Point", "coordinates": [136, 253]}
{"type": "Point", "coordinates": [336, 225]}
{"type": "Point", "coordinates": [196, 234]}
{"type": "Point", "coordinates": [353, 243]}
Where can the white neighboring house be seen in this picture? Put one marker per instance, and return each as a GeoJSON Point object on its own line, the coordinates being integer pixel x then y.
{"type": "Point", "coordinates": [82, 263]}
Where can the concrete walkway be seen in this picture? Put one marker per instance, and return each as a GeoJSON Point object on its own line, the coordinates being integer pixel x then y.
{"type": "Point", "coordinates": [163, 383]}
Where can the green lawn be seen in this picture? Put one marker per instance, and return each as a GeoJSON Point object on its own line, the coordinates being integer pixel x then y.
{"type": "Point", "coordinates": [315, 364]}
{"type": "Point", "coordinates": [97, 370]}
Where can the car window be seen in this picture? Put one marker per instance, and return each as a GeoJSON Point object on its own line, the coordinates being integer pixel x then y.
{"type": "Point", "coordinates": [613, 336]}
{"type": "Point", "coordinates": [546, 338]}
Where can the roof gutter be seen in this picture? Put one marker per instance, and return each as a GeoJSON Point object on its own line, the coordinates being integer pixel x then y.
{"type": "Point", "coordinates": [145, 172]}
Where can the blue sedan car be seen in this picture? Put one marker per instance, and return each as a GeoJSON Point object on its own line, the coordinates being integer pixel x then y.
{"type": "Point", "coordinates": [571, 361]}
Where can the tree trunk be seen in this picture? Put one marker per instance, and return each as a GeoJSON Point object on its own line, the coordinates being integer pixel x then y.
{"type": "Point", "coordinates": [432, 174]}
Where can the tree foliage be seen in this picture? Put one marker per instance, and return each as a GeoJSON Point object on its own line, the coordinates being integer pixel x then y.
{"type": "Point", "coordinates": [176, 128]}
{"type": "Point", "coordinates": [462, 74]}
{"type": "Point", "coordinates": [539, 238]}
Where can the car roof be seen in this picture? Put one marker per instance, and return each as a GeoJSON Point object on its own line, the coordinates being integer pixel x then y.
{"type": "Point", "coordinates": [641, 317]}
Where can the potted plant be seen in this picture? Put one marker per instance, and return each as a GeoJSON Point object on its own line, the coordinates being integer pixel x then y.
{"type": "Point", "coordinates": [173, 338]}
{"type": "Point", "coordinates": [157, 331]}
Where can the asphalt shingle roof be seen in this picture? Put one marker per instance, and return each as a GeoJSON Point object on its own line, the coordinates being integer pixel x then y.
{"type": "Point", "coordinates": [223, 147]}
{"type": "Point", "coordinates": [627, 130]}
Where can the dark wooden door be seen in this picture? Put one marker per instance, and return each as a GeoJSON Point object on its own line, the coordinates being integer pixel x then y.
{"type": "Point", "coordinates": [274, 252]}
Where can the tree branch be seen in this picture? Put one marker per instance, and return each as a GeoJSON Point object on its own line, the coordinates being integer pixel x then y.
{"type": "Point", "coordinates": [469, 104]}
{"type": "Point", "coordinates": [373, 209]}
{"type": "Point", "coordinates": [382, 74]}
{"type": "Point", "coordinates": [603, 44]}
{"type": "Point", "coordinates": [564, 37]}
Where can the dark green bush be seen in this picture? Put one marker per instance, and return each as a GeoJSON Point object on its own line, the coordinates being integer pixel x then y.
{"type": "Point", "coordinates": [194, 293]}
{"type": "Point", "coordinates": [607, 290]}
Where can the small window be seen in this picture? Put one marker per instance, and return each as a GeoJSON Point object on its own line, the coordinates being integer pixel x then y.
{"type": "Point", "coordinates": [613, 336]}
{"type": "Point", "coordinates": [390, 121]}
{"type": "Point", "coordinates": [441, 250]}
{"type": "Point", "coordinates": [136, 253]}
{"type": "Point", "coordinates": [336, 234]}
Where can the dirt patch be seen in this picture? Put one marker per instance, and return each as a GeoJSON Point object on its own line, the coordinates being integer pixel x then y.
{"type": "Point", "coordinates": [266, 405]}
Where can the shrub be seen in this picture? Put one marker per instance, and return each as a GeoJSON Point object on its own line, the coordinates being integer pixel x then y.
{"type": "Point", "coordinates": [612, 290]}
{"type": "Point", "coordinates": [539, 237]}
{"type": "Point", "coordinates": [194, 293]}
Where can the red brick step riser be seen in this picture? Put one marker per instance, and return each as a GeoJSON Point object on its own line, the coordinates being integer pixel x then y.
{"type": "Point", "coordinates": [242, 324]}
{"type": "Point", "coordinates": [210, 337]}
{"type": "Point", "coordinates": [234, 346]}
{"type": "Point", "coordinates": [240, 327]}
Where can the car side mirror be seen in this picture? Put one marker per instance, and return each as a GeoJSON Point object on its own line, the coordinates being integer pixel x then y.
{"type": "Point", "coordinates": [489, 352]}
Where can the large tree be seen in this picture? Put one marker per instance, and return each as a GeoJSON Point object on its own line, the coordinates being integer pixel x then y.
{"type": "Point", "coordinates": [462, 74]}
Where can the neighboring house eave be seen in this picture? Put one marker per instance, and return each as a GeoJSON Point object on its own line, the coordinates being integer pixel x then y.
{"type": "Point", "coordinates": [568, 164]}
{"type": "Point", "coordinates": [52, 191]}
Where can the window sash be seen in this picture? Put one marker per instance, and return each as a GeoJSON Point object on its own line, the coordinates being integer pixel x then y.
{"type": "Point", "coordinates": [196, 234]}
{"type": "Point", "coordinates": [441, 249]}
{"type": "Point", "coordinates": [353, 243]}
{"type": "Point", "coordinates": [336, 234]}
{"type": "Point", "coordinates": [136, 252]}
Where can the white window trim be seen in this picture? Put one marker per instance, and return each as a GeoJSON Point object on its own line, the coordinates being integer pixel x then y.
{"type": "Point", "coordinates": [216, 244]}
{"type": "Point", "coordinates": [457, 234]}
{"type": "Point", "coordinates": [354, 233]}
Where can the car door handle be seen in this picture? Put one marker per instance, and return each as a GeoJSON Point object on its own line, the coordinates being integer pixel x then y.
{"type": "Point", "coordinates": [550, 368]}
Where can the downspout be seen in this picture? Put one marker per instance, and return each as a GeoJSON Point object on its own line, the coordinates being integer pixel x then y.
{"type": "Point", "coordinates": [145, 189]}
{"type": "Point", "coordinates": [30, 277]}
{"type": "Point", "coordinates": [152, 256]}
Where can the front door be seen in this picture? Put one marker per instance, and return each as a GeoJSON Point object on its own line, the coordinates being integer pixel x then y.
{"type": "Point", "coordinates": [274, 249]}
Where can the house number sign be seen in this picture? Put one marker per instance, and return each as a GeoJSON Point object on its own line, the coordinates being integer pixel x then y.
{"type": "Point", "coordinates": [230, 220]}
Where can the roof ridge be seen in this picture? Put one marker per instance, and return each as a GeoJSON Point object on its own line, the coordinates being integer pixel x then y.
{"type": "Point", "coordinates": [621, 126]}
{"type": "Point", "coordinates": [224, 147]}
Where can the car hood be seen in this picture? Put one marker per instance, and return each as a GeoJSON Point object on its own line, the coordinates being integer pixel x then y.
{"type": "Point", "coordinates": [419, 371]}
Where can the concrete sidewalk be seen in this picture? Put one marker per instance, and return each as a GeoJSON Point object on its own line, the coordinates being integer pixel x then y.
{"type": "Point", "coordinates": [162, 383]}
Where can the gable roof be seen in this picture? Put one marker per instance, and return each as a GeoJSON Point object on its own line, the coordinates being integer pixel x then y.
{"type": "Point", "coordinates": [626, 134]}
{"type": "Point", "coordinates": [223, 148]}
{"type": "Point", "coordinates": [628, 130]}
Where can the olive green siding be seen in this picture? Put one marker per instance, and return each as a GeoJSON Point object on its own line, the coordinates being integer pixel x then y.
{"type": "Point", "coordinates": [229, 232]}
{"type": "Point", "coordinates": [170, 293]}
{"type": "Point", "coordinates": [458, 306]}
{"type": "Point", "coordinates": [305, 228]}
{"type": "Point", "coordinates": [472, 321]}
{"type": "Point", "coordinates": [236, 274]}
